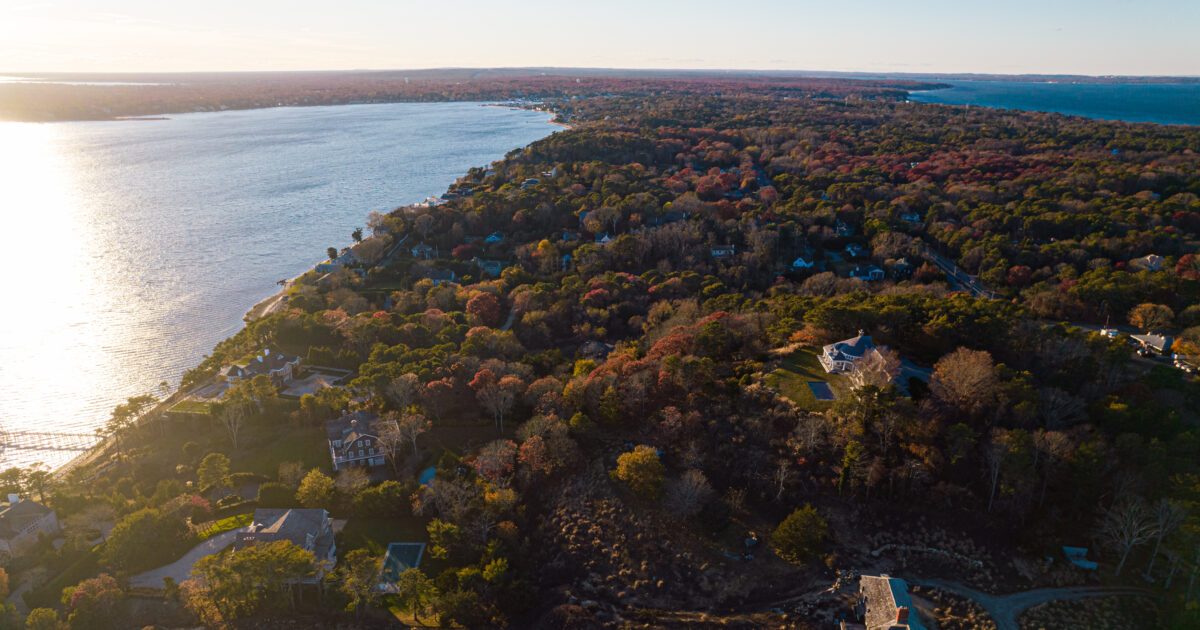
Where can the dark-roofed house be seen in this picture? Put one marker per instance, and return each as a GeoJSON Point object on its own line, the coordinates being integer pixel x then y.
{"type": "Point", "coordinates": [423, 251]}
{"type": "Point", "coordinates": [884, 604]}
{"type": "Point", "coordinates": [438, 276]}
{"type": "Point", "coordinates": [352, 442]}
{"type": "Point", "coordinates": [869, 273]}
{"type": "Point", "coordinates": [20, 523]}
{"type": "Point", "coordinates": [309, 529]}
{"type": "Point", "coordinates": [839, 358]}
{"type": "Point", "coordinates": [279, 367]}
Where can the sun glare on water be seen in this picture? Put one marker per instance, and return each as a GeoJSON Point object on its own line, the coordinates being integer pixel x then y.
{"type": "Point", "coordinates": [51, 294]}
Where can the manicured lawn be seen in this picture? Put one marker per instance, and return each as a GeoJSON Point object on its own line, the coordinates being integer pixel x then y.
{"type": "Point", "coordinates": [375, 534]}
{"type": "Point", "coordinates": [226, 524]}
{"type": "Point", "coordinates": [190, 406]}
{"type": "Point", "coordinates": [793, 376]}
{"type": "Point", "coordinates": [307, 446]}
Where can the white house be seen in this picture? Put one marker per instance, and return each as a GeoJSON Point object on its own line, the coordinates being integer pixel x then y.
{"type": "Point", "coordinates": [20, 523]}
{"type": "Point", "coordinates": [494, 237]}
{"type": "Point", "coordinates": [352, 442]}
{"type": "Point", "coordinates": [1149, 262]}
{"type": "Point", "coordinates": [839, 358]}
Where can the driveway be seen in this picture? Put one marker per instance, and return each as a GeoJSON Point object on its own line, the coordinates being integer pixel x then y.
{"type": "Point", "coordinates": [181, 569]}
{"type": "Point", "coordinates": [1004, 609]}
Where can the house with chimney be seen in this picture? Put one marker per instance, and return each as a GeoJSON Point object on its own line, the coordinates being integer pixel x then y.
{"type": "Point", "coordinates": [279, 367]}
{"type": "Point", "coordinates": [352, 441]}
{"type": "Point", "coordinates": [883, 603]}
{"type": "Point", "coordinates": [21, 521]}
{"type": "Point", "coordinates": [309, 529]}
{"type": "Point", "coordinates": [839, 358]}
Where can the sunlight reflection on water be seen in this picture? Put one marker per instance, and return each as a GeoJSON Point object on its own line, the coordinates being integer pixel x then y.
{"type": "Point", "coordinates": [132, 248]}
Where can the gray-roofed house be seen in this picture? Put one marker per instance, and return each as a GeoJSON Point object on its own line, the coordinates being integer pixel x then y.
{"type": "Point", "coordinates": [1158, 343]}
{"type": "Point", "coordinates": [20, 523]}
{"type": "Point", "coordinates": [1149, 262]}
{"type": "Point", "coordinates": [352, 441]}
{"type": "Point", "coordinates": [438, 276]}
{"type": "Point", "coordinates": [279, 367]}
{"type": "Point", "coordinates": [884, 604]}
{"type": "Point", "coordinates": [423, 251]}
{"type": "Point", "coordinates": [839, 358]}
{"type": "Point", "coordinates": [309, 529]}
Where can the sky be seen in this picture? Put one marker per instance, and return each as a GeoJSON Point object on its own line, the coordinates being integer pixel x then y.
{"type": "Point", "coordinates": [1100, 37]}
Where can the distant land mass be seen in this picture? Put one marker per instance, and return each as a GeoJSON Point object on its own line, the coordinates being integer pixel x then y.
{"type": "Point", "coordinates": [78, 96]}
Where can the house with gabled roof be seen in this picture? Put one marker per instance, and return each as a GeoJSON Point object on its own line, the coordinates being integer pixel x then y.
{"type": "Point", "coordinates": [423, 251]}
{"type": "Point", "coordinates": [870, 273]}
{"type": "Point", "coordinates": [279, 367]}
{"type": "Point", "coordinates": [884, 604]}
{"type": "Point", "coordinates": [839, 358]}
{"type": "Point", "coordinates": [353, 442]}
{"type": "Point", "coordinates": [309, 529]}
{"type": "Point", "coordinates": [20, 523]}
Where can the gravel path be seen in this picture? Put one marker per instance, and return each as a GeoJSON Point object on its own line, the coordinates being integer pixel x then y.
{"type": "Point", "coordinates": [181, 569]}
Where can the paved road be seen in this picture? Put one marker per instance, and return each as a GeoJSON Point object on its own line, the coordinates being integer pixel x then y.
{"type": "Point", "coordinates": [964, 280]}
{"type": "Point", "coordinates": [181, 569]}
{"type": "Point", "coordinates": [1004, 609]}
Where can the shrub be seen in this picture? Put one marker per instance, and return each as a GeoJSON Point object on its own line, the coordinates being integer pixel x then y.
{"type": "Point", "coordinates": [800, 536]}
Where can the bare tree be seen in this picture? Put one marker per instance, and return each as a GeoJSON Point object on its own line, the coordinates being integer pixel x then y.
{"type": "Point", "coordinates": [686, 495]}
{"type": "Point", "coordinates": [995, 454]}
{"type": "Point", "coordinates": [411, 426]}
{"type": "Point", "coordinates": [1168, 516]}
{"type": "Point", "coordinates": [879, 367]}
{"type": "Point", "coordinates": [1126, 525]}
{"type": "Point", "coordinates": [403, 390]}
{"type": "Point", "coordinates": [389, 440]}
{"type": "Point", "coordinates": [233, 418]}
{"type": "Point", "coordinates": [1050, 449]}
{"type": "Point", "coordinates": [783, 472]}
{"type": "Point", "coordinates": [351, 481]}
{"type": "Point", "coordinates": [810, 433]}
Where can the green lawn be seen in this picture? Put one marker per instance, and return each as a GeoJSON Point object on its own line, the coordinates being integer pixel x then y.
{"type": "Point", "coordinates": [190, 406]}
{"type": "Point", "coordinates": [226, 524]}
{"type": "Point", "coordinates": [374, 534]}
{"type": "Point", "coordinates": [307, 446]}
{"type": "Point", "coordinates": [794, 374]}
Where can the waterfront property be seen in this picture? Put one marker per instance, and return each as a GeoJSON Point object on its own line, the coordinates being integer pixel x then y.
{"type": "Point", "coordinates": [20, 523]}
{"type": "Point", "coordinates": [352, 442]}
{"type": "Point", "coordinates": [309, 529]}
{"type": "Point", "coordinates": [279, 367]}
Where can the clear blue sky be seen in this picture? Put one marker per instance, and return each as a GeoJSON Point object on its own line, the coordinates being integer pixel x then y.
{"type": "Point", "coordinates": [1015, 36]}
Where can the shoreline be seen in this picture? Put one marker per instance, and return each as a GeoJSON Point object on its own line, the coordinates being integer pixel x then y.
{"type": "Point", "coordinates": [265, 307]}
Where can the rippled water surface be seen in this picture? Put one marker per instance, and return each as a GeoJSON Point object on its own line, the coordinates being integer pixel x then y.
{"type": "Point", "coordinates": [131, 248]}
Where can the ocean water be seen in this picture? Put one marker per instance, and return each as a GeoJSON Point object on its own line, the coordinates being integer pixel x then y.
{"type": "Point", "coordinates": [131, 248]}
{"type": "Point", "coordinates": [1172, 104]}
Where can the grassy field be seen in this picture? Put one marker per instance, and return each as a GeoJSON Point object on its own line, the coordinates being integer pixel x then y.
{"type": "Point", "coordinates": [305, 445]}
{"type": "Point", "coordinates": [793, 376]}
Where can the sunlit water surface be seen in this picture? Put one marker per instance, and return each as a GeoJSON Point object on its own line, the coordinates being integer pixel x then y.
{"type": "Point", "coordinates": [131, 248]}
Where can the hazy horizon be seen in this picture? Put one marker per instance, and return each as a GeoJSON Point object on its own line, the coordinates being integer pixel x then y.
{"type": "Point", "coordinates": [1106, 38]}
